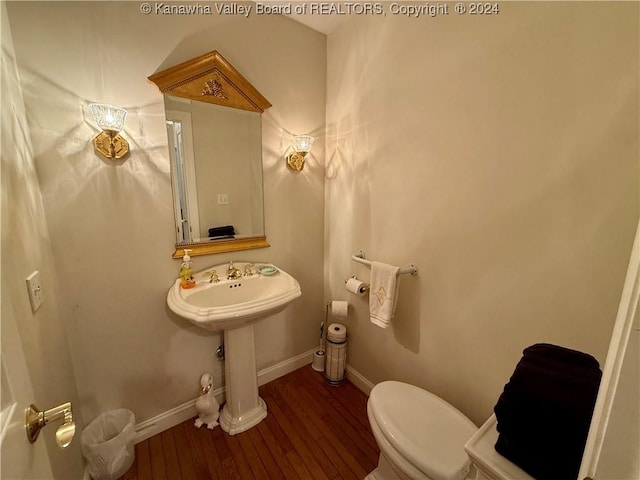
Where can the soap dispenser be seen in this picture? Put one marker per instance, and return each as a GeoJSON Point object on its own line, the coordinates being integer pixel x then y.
{"type": "Point", "coordinates": [186, 271]}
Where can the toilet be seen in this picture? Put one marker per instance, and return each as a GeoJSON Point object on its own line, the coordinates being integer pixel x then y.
{"type": "Point", "coordinates": [421, 437]}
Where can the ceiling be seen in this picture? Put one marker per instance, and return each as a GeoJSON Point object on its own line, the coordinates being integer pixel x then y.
{"type": "Point", "coordinates": [321, 23]}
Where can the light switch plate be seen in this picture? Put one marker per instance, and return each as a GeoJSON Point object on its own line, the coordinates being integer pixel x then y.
{"type": "Point", "coordinates": [36, 296]}
{"type": "Point", "coordinates": [223, 199]}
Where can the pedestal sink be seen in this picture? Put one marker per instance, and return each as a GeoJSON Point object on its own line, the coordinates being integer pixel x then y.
{"type": "Point", "coordinates": [233, 305]}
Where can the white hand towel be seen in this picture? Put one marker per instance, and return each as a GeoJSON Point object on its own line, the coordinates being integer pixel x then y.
{"type": "Point", "coordinates": [383, 294]}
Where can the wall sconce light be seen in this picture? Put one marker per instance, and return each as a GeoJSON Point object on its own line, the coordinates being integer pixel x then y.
{"type": "Point", "coordinates": [111, 120]}
{"type": "Point", "coordinates": [301, 146]}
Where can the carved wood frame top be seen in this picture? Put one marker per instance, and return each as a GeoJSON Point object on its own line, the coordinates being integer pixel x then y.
{"type": "Point", "coordinates": [210, 78]}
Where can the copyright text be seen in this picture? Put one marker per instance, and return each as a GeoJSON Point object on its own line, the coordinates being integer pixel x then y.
{"type": "Point", "coordinates": [402, 9]}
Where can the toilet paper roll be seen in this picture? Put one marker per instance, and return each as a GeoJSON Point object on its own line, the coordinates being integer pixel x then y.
{"type": "Point", "coordinates": [339, 309]}
{"type": "Point", "coordinates": [336, 361]}
{"type": "Point", "coordinates": [356, 287]}
{"type": "Point", "coordinates": [318, 360]}
{"type": "Point", "coordinates": [337, 333]}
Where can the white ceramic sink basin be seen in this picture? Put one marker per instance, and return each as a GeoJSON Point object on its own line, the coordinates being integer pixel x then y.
{"type": "Point", "coordinates": [231, 303]}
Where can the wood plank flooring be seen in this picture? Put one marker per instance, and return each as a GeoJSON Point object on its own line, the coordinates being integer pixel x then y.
{"type": "Point", "coordinates": [313, 431]}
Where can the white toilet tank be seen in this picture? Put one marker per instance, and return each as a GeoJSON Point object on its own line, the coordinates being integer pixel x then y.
{"type": "Point", "coordinates": [489, 463]}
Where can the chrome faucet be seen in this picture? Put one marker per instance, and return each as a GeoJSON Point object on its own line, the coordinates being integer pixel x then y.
{"type": "Point", "coordinates": [233, 273]}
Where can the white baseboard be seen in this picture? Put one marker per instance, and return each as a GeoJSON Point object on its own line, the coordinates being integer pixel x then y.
{"type": "Point", "coordinates": [179, 414]}
{"type": "Point", "coordinates": [170, 418]}
{"type": "Point", "coordinates": [287, 366]}
{"type": "Point", "coordinates": [358, 380]}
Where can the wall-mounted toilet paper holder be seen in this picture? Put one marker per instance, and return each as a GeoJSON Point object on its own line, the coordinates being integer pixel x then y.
{"type": "Point", "coordinates": [362, 288]}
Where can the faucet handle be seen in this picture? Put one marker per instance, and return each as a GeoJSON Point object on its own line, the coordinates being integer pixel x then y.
{"type": "Point", "coordinates": [214, 277]}
{"type": "Point", "coordinates": [247, 269]}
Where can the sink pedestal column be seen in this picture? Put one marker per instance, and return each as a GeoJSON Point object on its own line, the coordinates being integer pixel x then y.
{"type": "Point", "coordinates": [243, 408]}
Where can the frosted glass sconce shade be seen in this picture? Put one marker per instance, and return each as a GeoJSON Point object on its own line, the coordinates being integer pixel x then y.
{"type": "Point", "coordinates": [108, 117]}
{"type": "Point", "coordinates": [301, 146]}
{"type": "Point", "coordinates": [303, 143]}
{"type": "Point", "coordinates": [111, 120]}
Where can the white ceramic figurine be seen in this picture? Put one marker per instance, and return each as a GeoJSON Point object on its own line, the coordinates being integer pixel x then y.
{"type": "Point", "coordinates": [207, 405]}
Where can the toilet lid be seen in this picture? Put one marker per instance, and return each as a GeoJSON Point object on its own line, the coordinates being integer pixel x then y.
{"type": "Point", "coordinates": [425, 429]}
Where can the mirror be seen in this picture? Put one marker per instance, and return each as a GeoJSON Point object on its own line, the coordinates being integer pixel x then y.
{"type": "Point", "coordinates": [214, 131]}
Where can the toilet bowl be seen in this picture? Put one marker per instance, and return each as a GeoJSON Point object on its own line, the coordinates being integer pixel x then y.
{"type": "Point", "coordinates": [421, 437]}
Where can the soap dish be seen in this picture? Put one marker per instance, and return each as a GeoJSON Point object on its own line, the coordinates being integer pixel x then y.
{"type": "Point", "coordinates": [268, 270]}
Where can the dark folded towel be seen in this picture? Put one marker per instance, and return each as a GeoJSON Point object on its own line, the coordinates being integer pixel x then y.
{"type": "Point", "coordinates": [226, 231]}
{"type": "Point", "coordinates": [545, 411]}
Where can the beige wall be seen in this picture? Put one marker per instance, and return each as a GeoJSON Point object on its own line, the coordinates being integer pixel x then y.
{"type": "Point", "coordinates": [111, 226]}
{"type": "Point", "coordinates": [499, 154]}
{"type": "Point", "coordinates": [26, 247]}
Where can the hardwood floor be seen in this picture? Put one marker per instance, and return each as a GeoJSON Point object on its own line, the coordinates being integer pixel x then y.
{"type": "Point", "coordinates": [313, 431]}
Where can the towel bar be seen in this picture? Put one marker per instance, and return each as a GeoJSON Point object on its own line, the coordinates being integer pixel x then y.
{"type": "Point", "coordinates": [359, 257]}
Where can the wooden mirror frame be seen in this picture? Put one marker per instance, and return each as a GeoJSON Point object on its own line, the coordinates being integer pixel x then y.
{"type": "Point", "coordinates": [212, 79]}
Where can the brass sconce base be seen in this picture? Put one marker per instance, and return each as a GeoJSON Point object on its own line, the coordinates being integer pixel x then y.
{"type": "Point", "coordinates": [111, 146]}
{"type": "Point", "coordinates": [295, 160]}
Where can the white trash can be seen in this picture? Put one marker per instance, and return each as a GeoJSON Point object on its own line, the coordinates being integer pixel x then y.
{"type": "Point", "coordinates": [107, 444]}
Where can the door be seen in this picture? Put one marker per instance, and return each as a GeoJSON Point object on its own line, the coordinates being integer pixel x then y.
{"type": "Point", "coordinates": [613, 446]}
{"type": "Point", "coordinates": [183, 177]}
{"type": "Point", "coordinates": [19, 459]}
